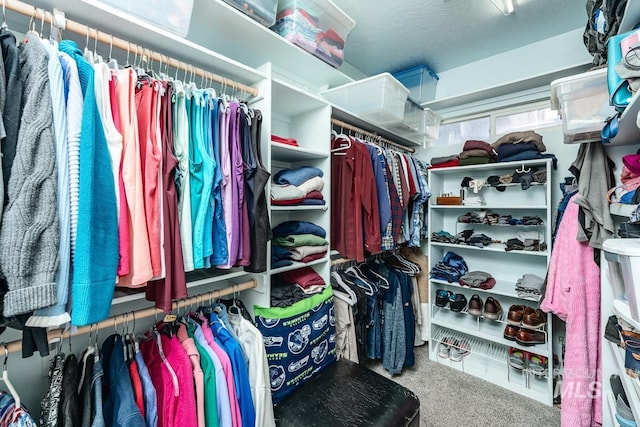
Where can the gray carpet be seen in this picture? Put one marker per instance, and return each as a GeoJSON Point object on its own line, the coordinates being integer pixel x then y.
{"type": "Point", "coordinates": [449, 398]}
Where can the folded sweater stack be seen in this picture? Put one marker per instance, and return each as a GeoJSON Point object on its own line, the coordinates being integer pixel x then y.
{"type": "Point", "coordinates": [476, 152]}
{"type": "Point", "coordinates": [301, 241]}
{"type": "Point", "coordinates": [299, 186]}
{"type": "Point", "coordinates": [302, 27]}
{"type": "Point", "coordinates": [517, 146]}
{"type": "Point", "coordinates": [444, 161]}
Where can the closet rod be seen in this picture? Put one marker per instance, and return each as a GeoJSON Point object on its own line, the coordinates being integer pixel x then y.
{"type": "Point", "coordinates": [377, 137]}
{"type": "Point", "coordinates": [38, 14]}
{"type": "Point", "coordinates": [56, 336]}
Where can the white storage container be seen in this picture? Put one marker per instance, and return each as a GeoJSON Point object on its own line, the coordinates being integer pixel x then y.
{"type": "Point", "coordinates": [583, 104]}
{"type": "Point", "coordinates": [379, 99]}
{"type": "Point", "coordinates": [172, 15]}
{"type": "Point", "coordinates": [263, 11]}
{"type": "Point", "coordinates": [623, 257]}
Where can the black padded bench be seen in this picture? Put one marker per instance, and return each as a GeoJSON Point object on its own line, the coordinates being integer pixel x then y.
{"type": "Point", "coordinates": [350, 395]}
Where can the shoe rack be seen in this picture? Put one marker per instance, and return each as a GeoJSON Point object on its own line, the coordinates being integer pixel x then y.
{"type": "Point", "coordinates": [616, 302]}
{"type": "Point", "coordinates": [488, 349]}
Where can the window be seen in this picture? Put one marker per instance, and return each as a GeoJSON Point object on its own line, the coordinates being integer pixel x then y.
{"type": "Point", "coordinates": [455, 133]}
{"type": "Point", "coordinates": [489, 125]}
{"type": "Point", "coordinates": [527, 120]}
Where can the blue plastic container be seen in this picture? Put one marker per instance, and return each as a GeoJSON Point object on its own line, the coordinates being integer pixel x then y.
{"type": "Point", "coordinates": [421, 82]}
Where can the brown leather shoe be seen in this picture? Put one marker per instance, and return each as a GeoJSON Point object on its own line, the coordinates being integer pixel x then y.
{"type": "Point", "coordinates": [514, 317]}
{"type": "Point", "coordinates": [492, 309]}
{"type": "Point", "coordinates": [510, 332]}
{"type": "Point", "coordinates": [533, 318]}
{"type": "Point", "coordinates": [530, 337]}
{"type": "Point", "coordinates": [475, 305]}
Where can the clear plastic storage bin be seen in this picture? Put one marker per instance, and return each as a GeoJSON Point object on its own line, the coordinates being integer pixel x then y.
{"type": "Point", "coordinates": [419, 124]}
{"type": "Point", "coordinates": [379, 99]}
{"type": "Point", "coordinates": [623, 257]}
{"type": "Point", "coordinates": [318, 26]}
{"type": "Point", "coordinates": [421, 82]}
{"type": "Point", "coordinates": [263, 11]}
{"type": "Point", "coordinates": [412, 122]}
{"type": "Point", "coordinates": [583, 104]}
{"type": "Point", "coordinates": [172, 15]}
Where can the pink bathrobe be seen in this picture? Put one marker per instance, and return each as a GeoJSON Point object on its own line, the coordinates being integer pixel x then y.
{"type": "Point", "coordinates": [573, 294]}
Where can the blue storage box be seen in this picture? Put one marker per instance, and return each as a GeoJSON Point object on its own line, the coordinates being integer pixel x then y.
{"type": "Point", "coordinates": [421, 82]}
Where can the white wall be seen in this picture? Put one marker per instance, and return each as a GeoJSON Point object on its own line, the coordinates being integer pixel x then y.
{"type": "Point", "coordinates": [529, 66]}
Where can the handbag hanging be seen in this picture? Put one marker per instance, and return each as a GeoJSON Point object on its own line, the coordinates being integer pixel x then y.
{"type": "Point", "coordinates": [619, 92]}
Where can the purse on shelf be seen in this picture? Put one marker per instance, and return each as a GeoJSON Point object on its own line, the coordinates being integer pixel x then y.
{"type": "Point", "coordinates": [619, 91]}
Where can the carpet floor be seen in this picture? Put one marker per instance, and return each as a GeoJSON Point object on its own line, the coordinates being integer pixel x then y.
{"type": "Point", "coordinates": [450, 398]}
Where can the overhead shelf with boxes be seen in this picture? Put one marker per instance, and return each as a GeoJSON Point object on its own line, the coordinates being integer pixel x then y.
{"type": "Point", "coordinates": [582, 101]}
{"type": "Point", "coordinates": [383, 102]}
{"type": "Point", "coordinates": [319, 27]}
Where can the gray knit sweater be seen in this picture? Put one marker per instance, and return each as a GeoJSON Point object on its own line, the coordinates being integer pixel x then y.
{"type": "Point", "coordinates": [30, 235]}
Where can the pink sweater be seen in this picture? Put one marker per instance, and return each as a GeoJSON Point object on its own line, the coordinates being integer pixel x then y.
{"type": "Point", "coordinates": [573, 294]}
{"type": "Point", "coordinates": [198, 375]}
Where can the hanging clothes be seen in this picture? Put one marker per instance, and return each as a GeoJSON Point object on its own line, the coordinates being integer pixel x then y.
{"type": "Point", "coordinates": [57, 314]}
{"type": "Point", "coordinates": [354, 204]}
{"type": "Point", "coordinates": [30, 229]}
{"type": "Point", "coordinates": [140, 269]}
{"type": "Point", "coordinates": [386, 194]}
{"type": "Point", "coordinates": [573, 294]}
{"type": "Point", "coordinates": [256, 179]}
{"type": "Point", "coordinates": [174, 283]}
{"type": "Point", "coordinates": [379, 295]}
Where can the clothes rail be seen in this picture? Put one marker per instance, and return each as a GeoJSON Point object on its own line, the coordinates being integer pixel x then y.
{"type": "Point", "coordinates": [42, 15]}
{"type": "Point", "coordinates": [56, 336]}
{"type": "Point", "coordinates": [375, 136]}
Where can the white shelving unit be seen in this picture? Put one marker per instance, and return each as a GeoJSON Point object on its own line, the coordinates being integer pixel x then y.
{"type": "Point", "coordinates": [298, 114]}
{"type": "Point", "coordinates": [612, 354]}
{"type": "Point", "coordinates": [488, 347]}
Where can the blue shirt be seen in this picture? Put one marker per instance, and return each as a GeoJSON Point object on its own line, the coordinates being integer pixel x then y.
{"type": "Point", "coordinates": [148, 391]}
{"type": "Point", "coordinates": [119, 405]}
{"type": "Point", "coordinates": [384, 204]}
{"type": "Point", "coordinates": [240, 370]}
{"type": "Point", "coordinates": [219, 227]}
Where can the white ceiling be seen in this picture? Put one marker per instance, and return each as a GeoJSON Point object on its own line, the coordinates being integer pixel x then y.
{"type": "Point", "coordinates": [444, 34]}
